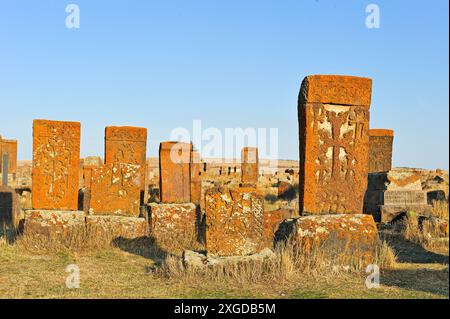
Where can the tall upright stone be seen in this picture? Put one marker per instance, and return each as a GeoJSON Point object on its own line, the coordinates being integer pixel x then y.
{"type": "Point", "coordinates": [9, 148]}
{"type": "Point", "coordinates": [196, 171]}
{"type": "Point", "coordinates": [174, 172]}
{"type": "Point", "coordinates": [56, 155]}
{"type": "Point", "coordinates": [333, 114]}
{"type": "Point", "coordinates": [249, 165]}
{"type": "Point", "coordinates": [128, 145]}
{"type": "Point", "coordinates": [380, 150]}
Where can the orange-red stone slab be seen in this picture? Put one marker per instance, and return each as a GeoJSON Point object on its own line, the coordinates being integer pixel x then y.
{"type": "Point", "coordinates": [126, 144]}
{"type": "Point", "coordinates": [9, 147]}
{"type": "Point", "coordinates": [56, 155]}
{"type": "Point", "coordinates": [334, 143]}
{"type": "Point", "coordinates": [380, 150]}
{"type": "Point", "coordinates": [174, 172]}
{"type": "Point", "coordinates": [249, 165]}
{"type": "Point", "coordinates": [115, 190]}
{"type": "Point", "coordinates": [234, 222]}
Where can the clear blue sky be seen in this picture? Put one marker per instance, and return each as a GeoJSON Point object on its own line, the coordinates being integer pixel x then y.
{"type": "Point", "coordinates": [162, 64]}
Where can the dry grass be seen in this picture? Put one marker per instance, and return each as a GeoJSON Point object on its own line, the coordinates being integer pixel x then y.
{"type": "Point", "coordinates": [290, 265]}
{"type": "Point", "coordinates": [440, 209]}
{"type": "Point", "coordinates": [139, 269]}
{"type": "Point", "coordinates": [428, 233]}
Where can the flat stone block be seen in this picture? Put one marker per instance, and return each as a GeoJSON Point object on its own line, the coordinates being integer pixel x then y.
{"type": "Point", "coordinates": [396, 197]}
{"type": "Point", "coordinates": [350, 233]}
{"type": "Point", "coordinates": [173, 221]}
{"type": "Point", "coordinates": [53, 222]}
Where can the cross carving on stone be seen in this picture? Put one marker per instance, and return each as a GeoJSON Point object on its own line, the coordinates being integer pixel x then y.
{"type": "Point", "coordinates": [335, 140]}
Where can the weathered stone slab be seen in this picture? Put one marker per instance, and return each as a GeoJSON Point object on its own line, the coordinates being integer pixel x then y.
{"type": "Point", "coordinates": [334, 143]}
{"type": "Point", "coordinates": [126, 144]}
{"type": "Point", "coordinates": [174, 170]}
{"type": "Point", "coordinates": [249, 165]}
{"type": "Point", "coordinates": [234, 221]}
{"type": "Point", "coordinates": [395, 179]}
{"type": "Point", "coordinates": [397, 197]}
{"type": "Point", "coordinates": [380, 150]}
{"type": "Point", "coordinates": [393, 193]}
{"type": "Point", "coordinates": [9, 207]}
{"type": "Point", "coordinates": [9, 148]}
{"type": "Point", "coordinates": [53, 223]}
{"type": "Point", "coordinates": [115, 190]}
{"type": "Point", "coordinates": [196, 181]}
{"type": "Point", "coordinates": [116, 226]}
{"type": "Point", "coordinates": [56, 153]}
{"type": "Point", "coordinates": [173, 222]}
{"type": "Point", "coordinates": [272, 220]}
{"type": "Point", "coordinates": [344, 233]}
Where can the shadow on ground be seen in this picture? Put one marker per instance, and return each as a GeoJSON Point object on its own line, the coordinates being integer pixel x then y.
{"type": "Point", "coordinates": [410, 252]}
{"type": "Point", "coordinates": [426, 280]}
{"type": "Point", "coordinates": [143, 246]}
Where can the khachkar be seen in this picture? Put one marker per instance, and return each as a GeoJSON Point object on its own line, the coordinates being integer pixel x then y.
{"type": "Point", "coordinates": [174, 219]}
{"type": "Point", "coordinates": [56, 155]}
{"type": "Point", "coordinates": [380, 150]}
{"type": "Point", "coordinates": [249, 165]}
{"type": "Point", "coordinates": [128, 145]}
{"type": "Point", "coordinates": [174, 172]}
{"type": "Point", "coordinates": [333, 116]}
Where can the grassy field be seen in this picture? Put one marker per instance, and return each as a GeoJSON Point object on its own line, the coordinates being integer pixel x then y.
{"type": "Point", "coordinates": [412, 265]}
{"type": "Point", "coordinates": [118, 272]}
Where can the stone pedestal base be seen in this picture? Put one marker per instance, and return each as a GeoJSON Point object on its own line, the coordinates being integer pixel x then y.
{"type": "Point", "coordinates": [173, 223]}
{"type": "Point", "coordinates": [53, 222]}
{"type": "Point", "coordinates": [352, 235]}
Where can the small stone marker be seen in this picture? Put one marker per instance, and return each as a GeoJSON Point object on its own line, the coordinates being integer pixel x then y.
{"type": "Point", "coordinates": [234, 222]}
{"type": "Point", "coordinates": [249, 159]}
{"type": "Point", "coordinates": [56, 155]}
{"type": "Point", "coordinates": [174, 170]}
{"type": "Point", "coordinates": [380, 150]}
{"type": "Point", "coordinates": [333, 116]}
